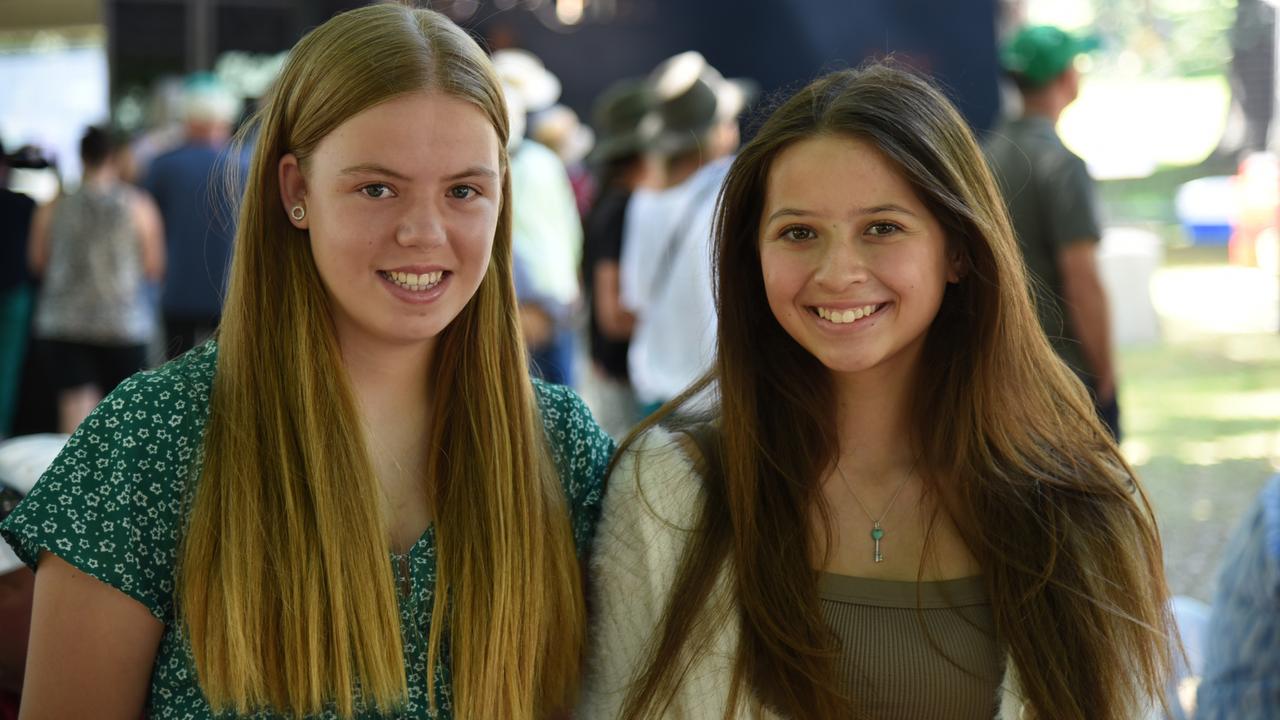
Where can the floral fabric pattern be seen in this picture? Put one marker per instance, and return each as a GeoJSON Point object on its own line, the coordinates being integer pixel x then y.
{"type": "Point", "coordinates": [112, 505]}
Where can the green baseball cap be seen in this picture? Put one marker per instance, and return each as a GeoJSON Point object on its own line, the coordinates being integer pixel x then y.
{"type": "Point", "coordinates": [1040, 53]}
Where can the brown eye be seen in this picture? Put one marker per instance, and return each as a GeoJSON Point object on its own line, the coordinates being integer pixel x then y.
{"type": "Point", "coordinates": [797, 233]}
{"type": "Point", "coordinates": [462, 192]}
{"type": "Point", "coordinates": [376, 190]}
{"type": "Point", "coordinates": [882, 229]}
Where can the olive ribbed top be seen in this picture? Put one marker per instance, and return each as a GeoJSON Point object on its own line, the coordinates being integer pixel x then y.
{"type": "Point", "coordinates": [903, 646]}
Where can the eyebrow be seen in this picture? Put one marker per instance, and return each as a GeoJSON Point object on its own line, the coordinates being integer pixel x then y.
{"type": "Point", "coordinates": [372, 169]}
{"type": "Point", "coordinates": [376, 169]}
{"type": "Point", "coordinates": [475, 171]}
{"type": "Point", "coordinates": [796, 212]}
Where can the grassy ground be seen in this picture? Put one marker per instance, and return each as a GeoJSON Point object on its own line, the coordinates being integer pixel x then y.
{"type": "Point", "coordinates": [1202, 407]}
{"type": "Point", "coordinates": [1202, 423]}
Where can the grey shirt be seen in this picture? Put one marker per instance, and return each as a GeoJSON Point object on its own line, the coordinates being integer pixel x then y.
{"type": "Point", "coordinates": [915, 651]}
{"type": "Point", "coordinates": [1052, 204]}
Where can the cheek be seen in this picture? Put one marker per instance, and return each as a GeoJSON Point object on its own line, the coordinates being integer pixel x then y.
{"type": "Point", "coordinates": [782, 282]}
{"type": "Point", "coordinates": [474, 239]}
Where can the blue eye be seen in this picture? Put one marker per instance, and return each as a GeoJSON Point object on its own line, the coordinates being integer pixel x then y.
{"type": "Point", "coordinates": [376, 190]}
{"type": "Point", "coordinates": [462, 192]}
{"type": "Point", "coordinates": [797, 233]}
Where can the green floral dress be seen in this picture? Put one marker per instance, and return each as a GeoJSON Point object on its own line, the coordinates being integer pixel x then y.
{"type": "Point", "coordinates": [111, 505]}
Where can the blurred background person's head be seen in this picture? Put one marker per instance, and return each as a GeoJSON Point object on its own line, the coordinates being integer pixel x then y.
{"type": "Point", "coordinates": [97, 150]}
{"type": "Point", "coordinates": [1041, 61]}
{"type": "Point", "coordinates": [209, 109]}
{"type": "Point", "coordinates": [619, 154]}
{"type": "Point", "coordinates": [696, 117]}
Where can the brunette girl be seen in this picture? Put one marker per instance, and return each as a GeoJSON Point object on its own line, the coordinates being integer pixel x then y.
{"type": "Point", "coordinates": [905, 506]}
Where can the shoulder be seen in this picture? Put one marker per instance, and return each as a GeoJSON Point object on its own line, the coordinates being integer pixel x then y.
{"type": "Point", "coordinates": [567, 418]}
{"type": "Point", "coordinates": [111, 503]}
{"type": "Point", "coordinates": [150, 425]}
{"type": "Point", "coordinates": [656, 481]}
{"type": "Point", "coordinates": [581, 450]}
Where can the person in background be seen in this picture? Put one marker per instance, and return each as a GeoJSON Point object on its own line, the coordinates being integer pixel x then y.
{"type": "Point", "coordinates": [94, 249]}
{"type": "Point", "coordinates": [561, 131]}
{"type": "Point", "coordinates": [665, 268]}
{"type": "Point", "coordinates": [353, 502]}
{"type": "Point", "coordinates": [1241, 677]}
{"type": "Point", "coordinates": [199, 213]}
{"type": "Point", "coordinates": [547, 229]}
{"type": "Point", "coordinates": [16, 210]}
{"type": "Point", "coordinates": [901, 505]}
{"type": "Point", "coordinates": [1054, 209]}
{"type": "Point", "coordinates": [623, 167]}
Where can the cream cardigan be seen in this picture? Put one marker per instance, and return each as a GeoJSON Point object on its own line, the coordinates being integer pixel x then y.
{"type": "Point", "coordinates": [648, 509]}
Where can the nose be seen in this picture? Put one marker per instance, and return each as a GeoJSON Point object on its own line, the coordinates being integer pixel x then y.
{"type": "Point", "coordinates": [422, 225]}
{"type": "Point", "coordinates": [843, 263]}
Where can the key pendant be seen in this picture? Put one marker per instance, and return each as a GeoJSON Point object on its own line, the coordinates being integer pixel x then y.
{"type": "Point", "coordinates": [876, 534]}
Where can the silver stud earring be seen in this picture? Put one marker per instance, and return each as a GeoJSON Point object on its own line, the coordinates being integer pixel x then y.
{"type": "Point", "coordinates": [298, 213]}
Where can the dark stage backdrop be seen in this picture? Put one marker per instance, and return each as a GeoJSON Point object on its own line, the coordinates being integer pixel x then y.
{"type": "Point", "coordinates": [782, 44]}
{"type": "Point", "coordinates": [779, 43]}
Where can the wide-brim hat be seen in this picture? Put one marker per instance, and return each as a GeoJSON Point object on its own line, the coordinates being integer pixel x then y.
{"type": "Point", "coordinates": [616, 117]}
{"type": "Point", "coordinates": [523, 74]}
{"type": "Point", "coordinates": [559, 128]}
{"type": "Point", "coordinates": [22, 461]}
{"type": "Point", "coordinates": [692, 98]}
{"type": "Point", "coordinates": [1039, 53]}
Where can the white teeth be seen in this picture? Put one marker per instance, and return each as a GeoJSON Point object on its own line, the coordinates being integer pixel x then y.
{"type": "Point", "coordinates": [843, 317]}
{"type": "Point", "coordinates": [413, 281]}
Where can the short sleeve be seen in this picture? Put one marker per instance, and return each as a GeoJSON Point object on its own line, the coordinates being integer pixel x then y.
{"type": "Point", "coordinates": [111, 502]}
{"type": "Point", "coordinates": [1071, 202]}
{"type": "Point", "coordinates": [582, 453]}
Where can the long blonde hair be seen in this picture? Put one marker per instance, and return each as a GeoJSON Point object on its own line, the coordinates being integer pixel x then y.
{"type": "Point", "coordinates": [285, 585]}
{"type": "Point", "coordinates": [1063, 531]}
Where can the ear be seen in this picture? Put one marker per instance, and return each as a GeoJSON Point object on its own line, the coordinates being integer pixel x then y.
{"type": "Point", "coordinates": [957, 264]}
{"type": "Point", "coordinates": [293, 190]}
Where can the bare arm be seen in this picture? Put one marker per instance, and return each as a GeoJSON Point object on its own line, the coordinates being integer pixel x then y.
{"type": "Point", "coordinates": [615, 322]}
{"type": "Point", "coordinates": [1086, 310]}
{"type": "Point", "coordinates": [92, 648]}
{"type": "Point", "coordinates": [38, 239]}
{"type": "Point", "coordinates": [146, 217]}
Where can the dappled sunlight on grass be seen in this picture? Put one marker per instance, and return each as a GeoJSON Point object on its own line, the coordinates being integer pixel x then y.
{"type": "Point", "coordinates": [1201, 410]}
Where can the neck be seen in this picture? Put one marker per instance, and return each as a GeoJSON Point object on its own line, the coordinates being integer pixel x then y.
{"type": "Point", "coordinates": [98, 177]}
{"type": "Point", "coordinates": [681, 171]}
{"type": "Point", "coordinates": [208, 133]}
{"type": "Point", "coordinates": [874, 423]}
{"type": "Point", "coordinates": [1043, 104]}
{"type": "Point", "coordinates": [391, 385]}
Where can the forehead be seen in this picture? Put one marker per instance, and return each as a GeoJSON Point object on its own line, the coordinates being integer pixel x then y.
{"type": "Point", "coordinates": [416, 131]}
{"type": "Point", "coordinates": [837, 169]}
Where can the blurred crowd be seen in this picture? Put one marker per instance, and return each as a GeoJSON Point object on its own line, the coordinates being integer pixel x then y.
{"type": "Point", "coordinates": [611, 216]}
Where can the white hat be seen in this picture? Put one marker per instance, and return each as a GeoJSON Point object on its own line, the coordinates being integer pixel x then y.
{"type": "Point", "coordinates": [523, 74]}
{"type": "Point", "coordinates": [559, 128]}
{"type": "Point", "coordinates": [22, 461]}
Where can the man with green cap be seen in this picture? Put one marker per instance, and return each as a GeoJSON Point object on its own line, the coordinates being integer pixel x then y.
{"type": "Point", "coordinates": [1054, 211]}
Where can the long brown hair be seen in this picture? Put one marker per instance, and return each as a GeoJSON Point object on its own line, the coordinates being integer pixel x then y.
{"type": "Point", "coordinates": [285, 586]}
{"type": "Point", "coordinates": [1044, 500]}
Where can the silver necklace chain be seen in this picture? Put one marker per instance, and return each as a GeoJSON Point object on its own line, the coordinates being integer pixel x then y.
{"type": "Point", "coordinates": [877, 532]}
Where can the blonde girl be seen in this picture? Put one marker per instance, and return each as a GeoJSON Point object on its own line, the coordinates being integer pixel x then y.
{"type": "Point", "coordinates": [353, 503]}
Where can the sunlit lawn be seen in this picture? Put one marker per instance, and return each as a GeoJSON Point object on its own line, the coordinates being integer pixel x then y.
{"type": "Point", "coordinates": [1201, 410]}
